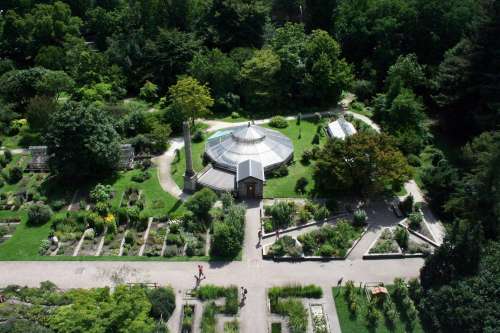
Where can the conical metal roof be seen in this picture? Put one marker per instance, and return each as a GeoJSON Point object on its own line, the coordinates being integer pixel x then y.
{"type": "Point", "coordinates": [250, 142]}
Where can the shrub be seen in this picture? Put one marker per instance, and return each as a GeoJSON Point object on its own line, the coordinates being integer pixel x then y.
{"type": "Point", "coordinates": [300, 186]}
{"type": "Point", "coordinates": [39, 214]}
{"type": "Point", "coordinates": [235, 115]}
{"type": "Point", "coordinates": [304, 216]}
{"type": "Point", "coordinates": [170, 251]}
{"type": "Point", "coordinates": [307, 156]}
{"type": "Point", "coordinates": [208, 320]}
{"type": "Point", "coordinates": [286, 245]}
{"type": "Point", "coordinates": [401, 236]}
{"type": "Point", "coordinates": [15, 174]}
{"type": "Point", "coordinates": [280, 171]}
{"type": "Point", "coordinates": [200, 204]}
{"type": "Point", "coordinates": [44, 247]}
{"type": "Point", "coordinates": [141, 177]}
{"type": "Point", "coordinates": [57, 205]}
{"type": "Point", "coordinates": [321, 213]}
{"type": "Point", "coordinates": [296, 313]}
{"type": "Point", "coordinates": [101, 193]}
{"type": "Point", "coordinates": [359, 217]}
{"type": "Point", "coordinates": [372, 315]}
{"type": "Point", "coordinates": [227, 200]}
{"type": "Point", "coordinates": [89, 234]}
{"type": "Point", "coordinates": [414, 160]}
{"type": "Point", "coordinates": [175, 239]}
{"type": "Point", "coordinates": [315, 140]}
{"type": "Point", "coordinates": [7, 155]}
{"type": "Point", "coordinates": [162, 303]}
{"type": "Point", "coordinates": [130, 237]}
{"type": "Point", "coordinates": [198, 136]}
{"type": "Point", "coordinates": [278, 122]}
{"type": "Point", "coordinates": [98, 224]}
{"type": "Point", "coordinates": [296, 290]}
{"type": "Point", "coordinates": [149, 92]}
{"type": "Point", "coordinates": [102, 208]}
{"type": "Point", "coordinates": [406, 206]}
{"type": "Point", "coordinates": [415, 220]}
{"type": "Point", "coordinates": [111, 224]}
{"type": "Point", "coordinates": [187, 320]}
{"type": "Point", "coordinates": [326, 250]}
{"type": "Point", "coordinates": [281, 213]}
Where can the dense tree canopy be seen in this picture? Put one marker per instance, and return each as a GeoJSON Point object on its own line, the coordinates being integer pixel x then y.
{"type": "Point", "coordinates": [364, 163]}
{"type": "Point", "coordinates": [83, 142]}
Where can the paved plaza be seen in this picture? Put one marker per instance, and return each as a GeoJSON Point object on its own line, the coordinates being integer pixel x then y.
{"type": "Point", "coordinates": [252, 272]}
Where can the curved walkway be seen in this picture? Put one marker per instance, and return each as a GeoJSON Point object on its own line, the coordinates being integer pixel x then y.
{"type": "Point", "coordinates": [164, 165]}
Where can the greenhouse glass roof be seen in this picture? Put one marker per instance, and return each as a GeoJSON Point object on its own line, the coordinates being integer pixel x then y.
{"type": "Point", "coordinates": [249, 142]}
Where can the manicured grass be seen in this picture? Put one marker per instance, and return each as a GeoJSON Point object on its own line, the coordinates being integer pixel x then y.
{"type": "Point", "coordinates": [284, 187]}
{"type": "Point", "coordinates": [158, 202]}
{"type": "Point", "coordinates": [25, 241]}
{"type": "Point", "coordinates": [178, 167]}
{"type": "Point", "coordinates": [358, 324]}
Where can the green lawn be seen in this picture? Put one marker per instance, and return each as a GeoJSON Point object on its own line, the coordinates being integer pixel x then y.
{"type": "Point", "coordinates": [179, 166]}
{"type": "Point", "coordinates": [283, 187]}
{"type": "Point", "coordinates": [158, 202]}
{"type": "Point", "coordinates": [358, 324]}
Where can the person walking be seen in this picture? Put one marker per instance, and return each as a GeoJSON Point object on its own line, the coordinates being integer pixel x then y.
{"type": "Point", "coordinates": [259, 234]}
{"type": "Point", "coordinates": [244, 293]}
{"type": "Point", "coordinates": [200, 272]}
{"type": "Point", "coordinates": [277, 233]}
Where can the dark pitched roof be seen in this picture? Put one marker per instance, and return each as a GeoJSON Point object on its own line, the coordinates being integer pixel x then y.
{"type": "Point", "coordinates": [249, 168]}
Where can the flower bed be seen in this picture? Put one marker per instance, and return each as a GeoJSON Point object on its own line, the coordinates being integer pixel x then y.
{"type": "Point", "coordinates": [68, 229]}
{"type": "Point", "coordinates": [133, 197]}
{"type": "Point", "coordinates": [133, 242]}
{"type": "Point", "coordinates": [319, 321]}
{"type": "Point", "coordinates": [156, 239]}
{"type": "Point", "coordinates": [112, 242]}
{"type": "Point", "coordinates": [330, 241]}
{"type": "Point", "coordinates": [187, 322]}
{"type": "Point", "coordinates": [285, 301]}
{"type": "Point", "coordinates": [397, 243]}
{"type": "Point", "coordinates": [385, 244]}
{"type": "Point", "coordinates": [285, 214]}
{"type": "Point", "coordinates": [90, 245]}
{"type": "Point", "coordinates": [182, 243]}
{"type": "Point", "coordinates": [209, 294]}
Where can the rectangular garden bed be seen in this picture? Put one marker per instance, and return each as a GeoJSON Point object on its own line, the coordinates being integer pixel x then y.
{"type": "Point", "coordinates": [89, 246]}
{"type": "Point", "coordinates": [132, 244]}
{"type": "Point", "coordinates": [112, 243]}
{"type": "Point", "coordinates": [156, 239]}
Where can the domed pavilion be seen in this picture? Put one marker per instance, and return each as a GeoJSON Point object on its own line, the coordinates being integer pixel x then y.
{"type": "Point", "coordinates": [241, 156]}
